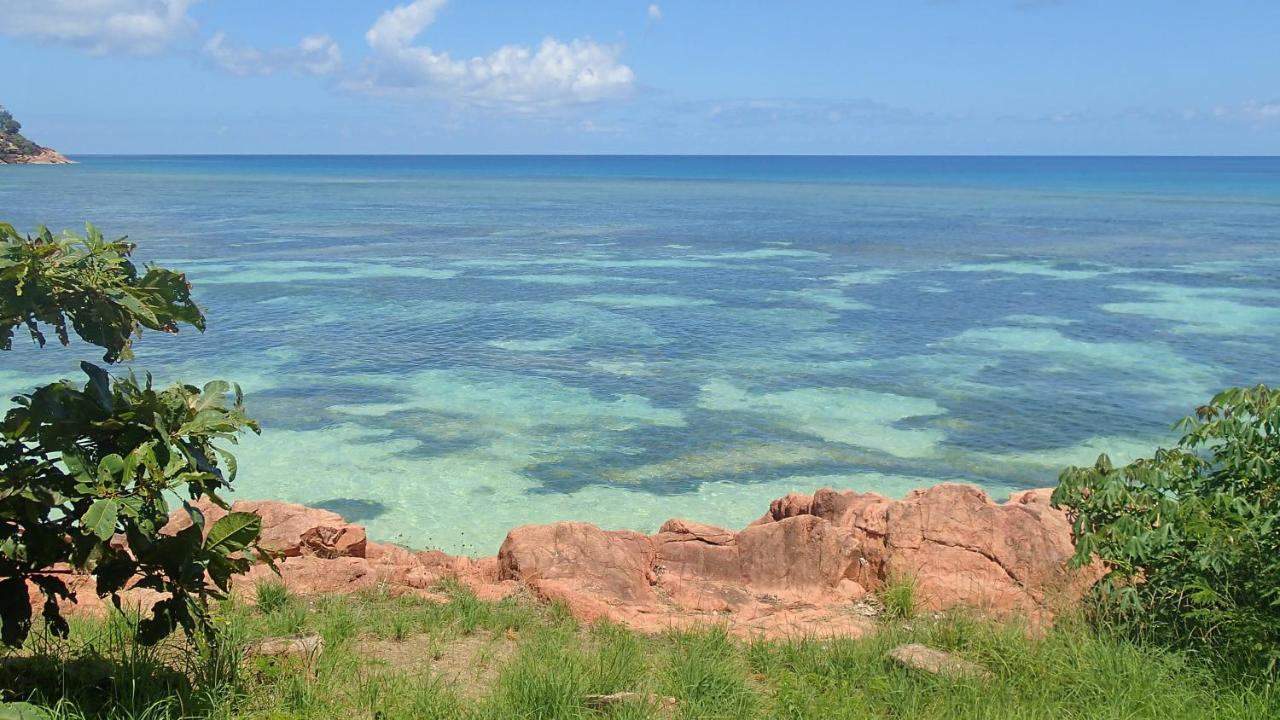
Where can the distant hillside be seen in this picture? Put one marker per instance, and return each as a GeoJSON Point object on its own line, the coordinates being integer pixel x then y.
{"type": "Point", "coordinates": [17, 149]}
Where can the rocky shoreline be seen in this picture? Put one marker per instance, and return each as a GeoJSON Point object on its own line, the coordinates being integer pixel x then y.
{"type": "Point", "coordinates": [807, 566]}
{"type": "Point", "coordinates": [44, 156]}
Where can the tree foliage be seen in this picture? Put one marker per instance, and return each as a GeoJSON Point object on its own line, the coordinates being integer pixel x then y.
{"type": "Point", "coordinates": [8, 124]}
{"type": "Point", "coordinates": [1191, 536]}
{"type": "Point", "coordinates": [92, 284]}
{"type": "Point", "coordinates": [89, 469]}
{"type": "Point", "coordinates": [11, 139]}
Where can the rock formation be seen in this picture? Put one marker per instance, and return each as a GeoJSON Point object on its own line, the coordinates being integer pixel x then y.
{"type": "Point", "coordinates": [18, 150]}
{"type": "Point", "coordinates": [803, 568]}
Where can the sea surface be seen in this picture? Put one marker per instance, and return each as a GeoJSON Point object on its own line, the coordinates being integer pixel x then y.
{"type": "Point", "coordinates": [442, 348]}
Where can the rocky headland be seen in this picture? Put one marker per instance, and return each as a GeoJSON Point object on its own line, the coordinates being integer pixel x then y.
{"type": "Point", "coordinates": [808, 566]}
{"type": "Point", "coordinates": [15, 149]}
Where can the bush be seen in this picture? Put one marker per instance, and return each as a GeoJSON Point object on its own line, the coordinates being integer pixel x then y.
{"type": "Point", "coordinates": [9, 131]}
{"type": "Point", "coordinates": [1191, 536]}
{"type": "Point", "coordinates": [83, 465]}
{"type": "Point", "coordinates": [8, 125]}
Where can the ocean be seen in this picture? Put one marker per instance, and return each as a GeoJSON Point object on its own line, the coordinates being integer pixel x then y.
{"type": "Point", "coordinates": [441, 348]}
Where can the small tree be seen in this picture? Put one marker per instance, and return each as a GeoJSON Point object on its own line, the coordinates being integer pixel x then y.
{"type": "Point", "coordinates": [10, 135]}
{"type": "Point", "coordinates": [87, 470]}
{"type": "Point", "coordinates": [8, 124]}
{"type": "Point", "coordinates": [1191, 536]}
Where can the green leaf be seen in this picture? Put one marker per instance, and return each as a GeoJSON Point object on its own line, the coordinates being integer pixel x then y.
{"type": "Point", "coordinates": [172, 551]}
{"type": "Point", "coordinates": [110, 470]}
{"type": "Point", "coordinates": [233, 532]}
{"type": "Point", "coordinates": [100, 519]}
{"type": "Point", "coordinates": [230, 461]}
{"type": "Point", "coordinates": [131, 303]}
{"type": "Point", "coordinates": [214, 394]}
{"type": "Point", "coordinates": [99, 387]}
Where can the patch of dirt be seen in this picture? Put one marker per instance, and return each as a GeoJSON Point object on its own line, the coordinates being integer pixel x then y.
{"type": "Point", "coordinates": [469, 664]}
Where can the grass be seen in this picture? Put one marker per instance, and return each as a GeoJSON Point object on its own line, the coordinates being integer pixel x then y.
{"type": "Point", "coordinates": [400, 657]}
{"type": "Point", "coordinates": [899, 597]}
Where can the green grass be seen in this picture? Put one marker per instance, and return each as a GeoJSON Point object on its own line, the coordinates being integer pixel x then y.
{"type": "Point", "coordinates": [899, 597]}
{"type": "Point", "coordinates": [401, 657]}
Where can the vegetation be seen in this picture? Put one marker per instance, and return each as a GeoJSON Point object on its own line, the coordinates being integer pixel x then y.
{"type": "Point", "coordinates": [11, 140]}
{"type": "Point", "coordinates": [1191, 536]}
{"type": "Point", "coordinates": [403, 657]}
{"type": "Point", "coordinates": [898, 596]}
{"type": "Point", "coordinates": [83, 464]}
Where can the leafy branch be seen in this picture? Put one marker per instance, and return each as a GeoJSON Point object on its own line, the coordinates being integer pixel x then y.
{"type": "Point", "coordinates": [88, 469]}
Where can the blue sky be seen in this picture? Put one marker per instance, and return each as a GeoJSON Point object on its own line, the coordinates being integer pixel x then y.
{"type": "Point", "coordinates": [616, 76]}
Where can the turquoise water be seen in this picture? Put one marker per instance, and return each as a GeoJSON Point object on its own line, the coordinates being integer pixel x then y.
{"type": "Point", "coordinates": [444, 347]}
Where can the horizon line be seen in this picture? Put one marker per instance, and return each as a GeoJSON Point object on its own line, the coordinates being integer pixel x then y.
{"type": "Point", "coordinates": [682, 155]}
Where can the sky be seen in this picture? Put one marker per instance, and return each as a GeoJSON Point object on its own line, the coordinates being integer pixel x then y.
{"type": "Point", "coordinates": [1128, 77]}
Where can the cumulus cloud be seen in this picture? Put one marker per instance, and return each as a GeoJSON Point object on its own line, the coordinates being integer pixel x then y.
{"type": "Point", "coordinates": [513, 77]}
{"type": "Point", "coordinates": [314, 55]}
{"type": "Point", "coordinates": [137, 27]}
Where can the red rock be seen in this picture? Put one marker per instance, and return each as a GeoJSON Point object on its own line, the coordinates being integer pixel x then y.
{"type": "Point", "coordinates": [801, 557]}
{"type": "Point", "coordinates": [963, 549]}
{"type": "Point", "coordinates": [789, 505]}
{"type": "Point", "coordinates": [288, 529]}
{"type": "Point", "coordinates": [294, 530]}
{"type": "Point", "coordinates": [180, 520]}
{"type": "Point", "coordinates": [580, 559]}
{"type": "Point", "coordinates": [697, 551]}
{"type": "Point", "coordinates": [390, 554]}
{"type": "Point", "coordinates": [796, 570]}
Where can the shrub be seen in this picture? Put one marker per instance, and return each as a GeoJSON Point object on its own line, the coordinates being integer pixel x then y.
{"type": "Point", "coordinates": [10, 135]}
{"type": "Point", "coordinates": [84, 464]}
{"type": "Point", "coordinates": [1191, 536]}
{"type": "Point", "coordinates": [8, 125]}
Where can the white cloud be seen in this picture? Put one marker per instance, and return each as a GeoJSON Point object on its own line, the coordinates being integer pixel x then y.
{"type": "Point", "coordinates": [235, 59]}
{"type": "Point", "coordinates": [137, 27]}
{"type": "Point", "coordinates": [1250, 111]}
{"type": "Point", "coordinates": [314, 55]}
{"type": "Point", "coordinates": [317, 55]}
{"type": "Point", "coordinates": [513, 77]}
{"type": "Point", "coordinates": [655, 12]}
{"type": "Point", "coordinates": [397, 27]}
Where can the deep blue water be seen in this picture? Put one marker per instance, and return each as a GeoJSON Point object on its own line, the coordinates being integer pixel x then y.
{"type": "Point", "coordinates": [443, 347]}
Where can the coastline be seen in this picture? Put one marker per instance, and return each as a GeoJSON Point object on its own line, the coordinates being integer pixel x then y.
{"type": "Point", "coordinates": [809, 565]}
{"type": "Point", "coordinates": [46, 156]}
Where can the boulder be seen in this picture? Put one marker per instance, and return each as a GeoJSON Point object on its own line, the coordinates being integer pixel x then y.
{"type": "Point", "coordinates": [294, 530]}
{"type": "Point", "coordinates": [963, 549]}
{"type": "Point", "coordinates": [789, 505]}
{"type": "Point", "coordinates": [589, 569]}
{"type": "Point", "coordinates": [801, 568]}
{"type": "Point", "coordinates": [801, 557]}
{"type": "Point", "coordinates": [936, 662]}
{"type": "Point", "coordinates": [687, 550]}
{"type": "Point", "coordinates": [288, 529]}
